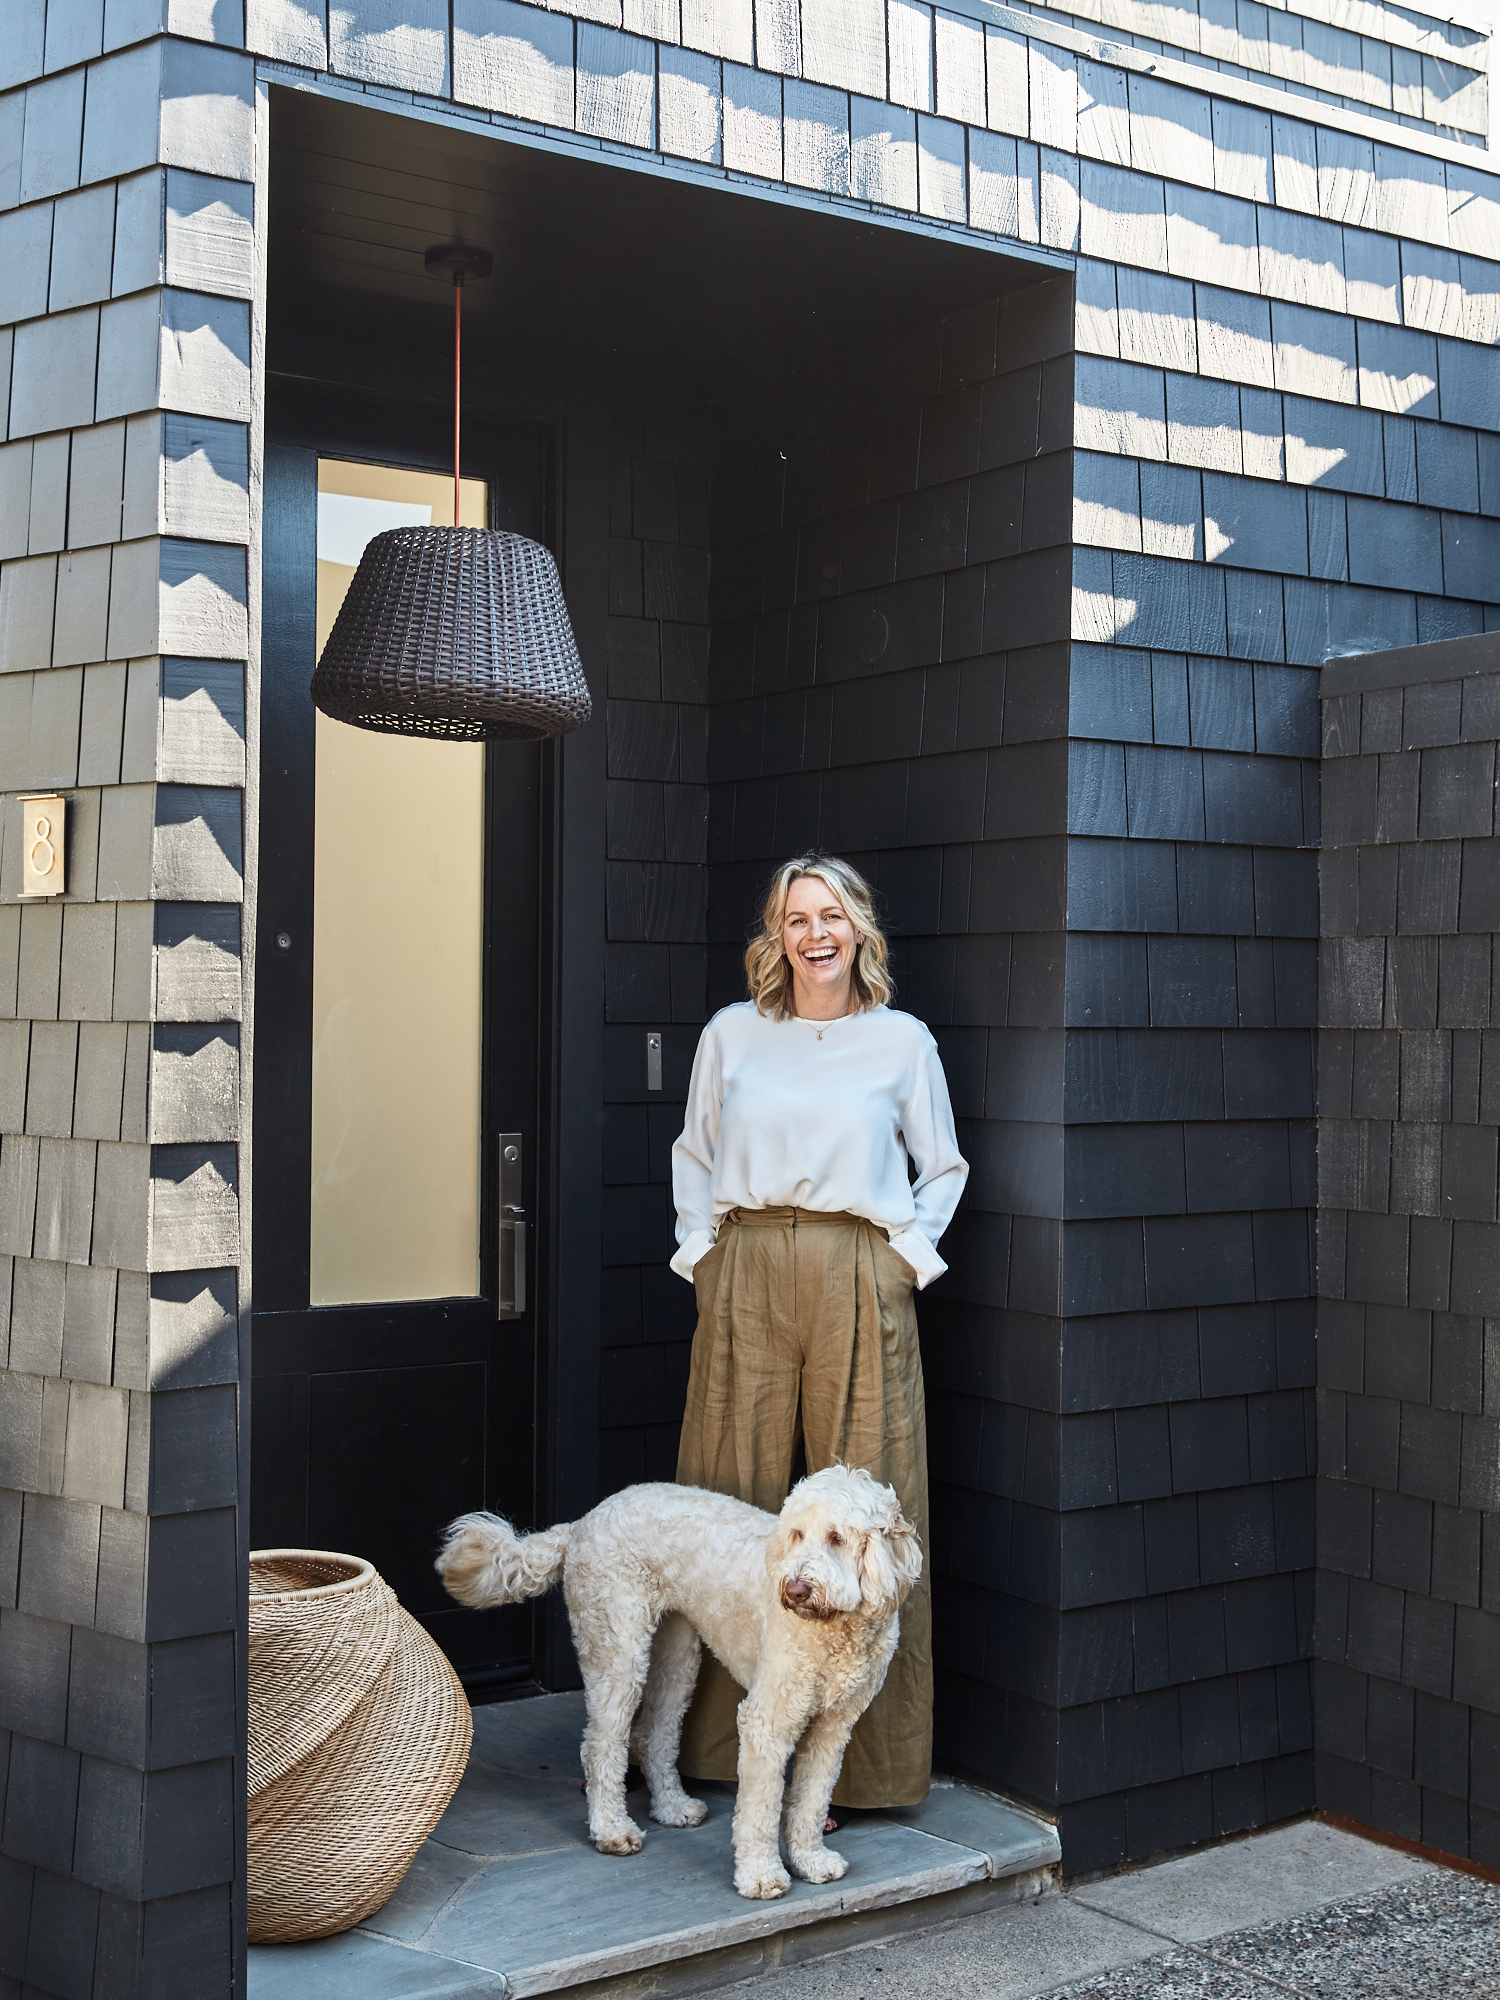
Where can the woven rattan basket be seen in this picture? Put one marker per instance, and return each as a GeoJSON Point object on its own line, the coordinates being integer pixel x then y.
{"type": "Point", "coordinates": [359, 1734]}
{"type": "Point", "coordinates": [454, 632]}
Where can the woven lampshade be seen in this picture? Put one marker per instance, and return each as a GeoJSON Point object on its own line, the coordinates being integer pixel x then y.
{"type": "Point", "coordinates": [454, 632]}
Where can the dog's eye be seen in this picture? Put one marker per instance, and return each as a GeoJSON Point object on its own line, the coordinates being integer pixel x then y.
{"type": "Point", "coordinates": [795, 1535]}
{"type": "Point", "coordinates": [835, 1539]}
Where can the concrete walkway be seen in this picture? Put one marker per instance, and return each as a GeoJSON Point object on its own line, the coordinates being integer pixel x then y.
{"type": "Point", "coordinates": [509, 1898]}
{"type": "Point", "coordinates": [1302, 1910]}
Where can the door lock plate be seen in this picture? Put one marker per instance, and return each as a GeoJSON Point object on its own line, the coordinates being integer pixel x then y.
{"type": "Point", "coordinates": [512, 1275]}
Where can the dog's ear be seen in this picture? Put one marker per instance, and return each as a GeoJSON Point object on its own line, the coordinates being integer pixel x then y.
{"type": "Point", "coordinates": [890, 1566]}
{"type": "Point", "coordinates": [880, 1588]}
{"type": "Point", "coordinates": [777, 1549]}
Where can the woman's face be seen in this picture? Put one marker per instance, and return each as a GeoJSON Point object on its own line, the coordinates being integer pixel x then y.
{"type": "Point", "coordinates": [819, 939]}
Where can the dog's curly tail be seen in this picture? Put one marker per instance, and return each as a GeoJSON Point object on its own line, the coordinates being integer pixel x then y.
{"type": "Point", "coordinates": [485, 1562]}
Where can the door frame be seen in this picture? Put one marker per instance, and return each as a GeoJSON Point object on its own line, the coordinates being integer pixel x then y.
{"type": "Point", "coordinates": [293, 1341]}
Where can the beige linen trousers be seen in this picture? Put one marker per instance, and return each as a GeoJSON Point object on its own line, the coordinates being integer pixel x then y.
{"type": "Point", "coordinates": [807, 1332]}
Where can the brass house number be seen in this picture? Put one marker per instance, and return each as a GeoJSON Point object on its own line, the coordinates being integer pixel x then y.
{"type": "Point", "coordinates": [43, 857]}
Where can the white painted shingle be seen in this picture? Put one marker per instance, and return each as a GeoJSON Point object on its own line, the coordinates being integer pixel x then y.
{"type": "Point", "coordinates": [1103, 114]}
{"type": "Point", "coordinates": [993, 201]}
{"type": "Point", "coordinates": [1372, 275]}
{"type": "Point", "coordinates": [25, 255]}
{"type": "Point", "coordinates": [1212, 237]}
{"type": "Point", "coordinates": [720, 28]}
{"type": "Point", "coordinates": [202, 600]}
{"type": "Point", "coordinates": [205, 355]}
{"type": "Point", "coordinates": [1203, 423]}
{"type": "Point", "coordinates": [752, 122]}
{"type": "Point", "coordinates": [83, 233]}
{"type": "Point", "coordinates": [689, 106]}
{"type": "Point", "coordinates": [403, 43]}
{"type": "Point", "coordinates": [23, 42]}
{"type": "Point", "coordinates": [97, 478]}
{"type": "Point", "coordinates": [1301, 259]}
{"type": "Point", "coordinates": [52, 373]}
{"type": "Point", "coordinates": [1053, 81]}
{"type": "Point", "coordinates": [12, 136]}
{"type": "Point", "coordinates": [1234, 336]}
{"type": "Point", "coordinates": [122, 125]}
{"type": "Point", "coordinates": [1170, 131]}
{"type": "Point", "coordinates": [210, 236]}
{"type": "Point", "coordinates": [616, 92]}
{"type": "Point", "coordinates": [1119, 408]}
{"type": "Point", "coordinates": [843, 43]}
{"type": "Point", "coordinates": [1096, 321]}
{"type": "Point", "coordinates": [289, 31]}
{"type": "Point", "coordinates": [815, 136]}
{"type": "Point", "coordinates": [28, 591]}
{"type": "Point", "coordinates": [1172, 513]}
{"type": "Point", "coordinates": [1007, 87]}
{"type": "Point", "coordinates": [883, 153]}
{"type": "Point", "coordinates": [514, 59]}
{"type": "Point", "coordinates": [660, 19]}
{"type": "Point", "coordinates": [940, 169]}
{"type": "Point", "coordinates": [15, 500]}
{"type": "Point", "coordinates": [1124, 216]}
{"type": "Point", "coordinates": [959, 62]}
{"type": "Point", "coordinates": [1157, 325]}
{"type": "Point", "coordinates": [49, 495]}
{"type": "Point", "coordinates": [138, 258]}
{"type": "Point", "coordinates": [1432, 295]}
{"type": "Point", "coordinates": [1059, 199]}
{"type": "Point", "coordinates": [205, 478]}
{"type": "Point", "coordinates": [1106, 501]}
{"type": "Point", "coordinates": [1481, 289]}
{"type": "Point", "coordinates": [1314, 353]}
{"type": "Point", "coordinates": [78, 632]}
{"type": "Point", "coordinates": [52, 136]}
{"type": "Point", "coordinates": [1346, 177]}
{"type": "Point", "coordinates": [1294, 147]}
{"type": "Point", "coordinates": [129, 355]}
{"type": "Point", "coordinates": [75, 32]}
{"type": "Point", "coordinates": [778, 37]}
{"type": "Point", "coordinates": [1473, 209]}
{"type": "Point", "coordinates": [1411, 195]}
{"type": "Point", "coordinates": [1398, 370]}
{"type": "Point", "coordinates": [909, 40]}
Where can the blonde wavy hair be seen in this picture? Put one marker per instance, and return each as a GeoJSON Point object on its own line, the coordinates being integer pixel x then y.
{"type": "Point", "coordinates": [768, 973]}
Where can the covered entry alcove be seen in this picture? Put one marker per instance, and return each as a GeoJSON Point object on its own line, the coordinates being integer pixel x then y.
{"type": "Point", "coordinates": [808, 480]}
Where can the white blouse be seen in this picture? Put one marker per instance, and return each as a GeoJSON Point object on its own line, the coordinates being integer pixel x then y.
{"type": "Point", "coordinates": [778, 1118]}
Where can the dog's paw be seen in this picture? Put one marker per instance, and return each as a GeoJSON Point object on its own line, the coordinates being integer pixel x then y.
{"type": "Point", "coordinates": [626, 1839]}
{"type": "Point", "coordinates": [818, 1864]}
{"type": "Point", "coordinates": [680, 1812]}
{"type": "Point", "coordinates": [762, 1882]}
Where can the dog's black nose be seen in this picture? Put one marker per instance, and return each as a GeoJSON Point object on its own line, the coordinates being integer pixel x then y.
{"type": "Point", "coordinates": [796, 1591]}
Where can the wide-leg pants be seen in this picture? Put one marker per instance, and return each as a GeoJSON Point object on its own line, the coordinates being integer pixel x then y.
{"type": "Point", "coordinates": [807, 1333]}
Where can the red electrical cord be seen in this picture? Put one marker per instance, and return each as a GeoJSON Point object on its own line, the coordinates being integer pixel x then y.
{"type": "Point", "coordinates": [458, 349]}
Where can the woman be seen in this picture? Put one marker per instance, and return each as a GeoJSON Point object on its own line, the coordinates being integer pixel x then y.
{"type": "Point", "coordinates": [804, 1235]}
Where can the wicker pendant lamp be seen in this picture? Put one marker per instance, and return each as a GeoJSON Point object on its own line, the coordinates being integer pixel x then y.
{"type": "Point", "coordinates": [454, 632]}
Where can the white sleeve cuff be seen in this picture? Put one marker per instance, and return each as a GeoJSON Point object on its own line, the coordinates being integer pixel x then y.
{"type": "Point", "coordinates": [911, 1244]}
{"type": "Point", "coordinates": [698, 1244]}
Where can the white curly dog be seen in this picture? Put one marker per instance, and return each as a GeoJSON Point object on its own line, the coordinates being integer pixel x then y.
{"type": "Point", "coordinates": [803, 1610]}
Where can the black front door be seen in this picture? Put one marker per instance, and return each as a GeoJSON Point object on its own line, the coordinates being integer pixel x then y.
{"type": "Point", "coordinates": [396, 1053]}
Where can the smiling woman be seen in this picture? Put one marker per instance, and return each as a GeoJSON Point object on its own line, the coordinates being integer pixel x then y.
{"type": "Point", "coordinates": [805, 1234]}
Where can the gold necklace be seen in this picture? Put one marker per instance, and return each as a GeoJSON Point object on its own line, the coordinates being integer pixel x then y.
{"type": "Point", "coordinates": [828, 1024]}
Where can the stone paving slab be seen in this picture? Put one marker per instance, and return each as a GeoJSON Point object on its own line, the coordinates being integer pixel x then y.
{"type": "Point", "coordinates": [1280, 1873]}
{"type": "Point", "coordinates": [509, 1889]}
{"type": "Point", "coordinates": [1307, 1910]}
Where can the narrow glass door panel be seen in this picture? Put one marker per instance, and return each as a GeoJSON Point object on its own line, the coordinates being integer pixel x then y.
{"type": "Point", "coordinates": [397, 958]}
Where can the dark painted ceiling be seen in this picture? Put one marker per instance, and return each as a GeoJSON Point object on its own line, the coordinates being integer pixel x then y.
{"type": "Point", "coordinates": [601, 270]}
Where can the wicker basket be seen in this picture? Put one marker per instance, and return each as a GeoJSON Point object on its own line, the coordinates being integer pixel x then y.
{"type": "Point", "coordinates": [359, 1734]}
{"type": "Point", "coordinates": [454, 632]}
